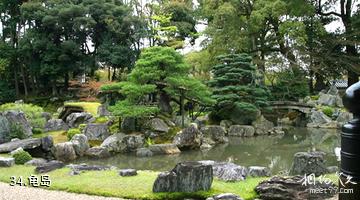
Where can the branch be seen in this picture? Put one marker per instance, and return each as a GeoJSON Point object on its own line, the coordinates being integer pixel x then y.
{"type": "Point", "coordinates": [319, 11]}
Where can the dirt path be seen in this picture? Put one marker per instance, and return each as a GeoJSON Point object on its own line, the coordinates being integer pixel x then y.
{"type": "Point", "coordinates": [8, 192]}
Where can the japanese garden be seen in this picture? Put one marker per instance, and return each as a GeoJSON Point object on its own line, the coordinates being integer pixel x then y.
{"type": "Point", "coordinates": [179, 99]}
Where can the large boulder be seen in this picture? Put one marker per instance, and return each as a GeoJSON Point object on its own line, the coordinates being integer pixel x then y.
{"type": "Point", "coordinates": [185, 177]}
{"type": "Point", "coordinates": [36, 162]}
{"type": "Point", "coordinates": [128, 125]}
{"type": "Point", "coordinates": [318, 118]}
{"type": "Point", "coordinates": [226, 171]}
{"type": "Point", "coordinates": [327, 99]}
{"type": "Point", "coordinates": [65, 152]}
{"type": "Point", "coordinates": [97, 152]}
{"type": "Point", "coordinates": [160, 149]}
{"type": "Point", "coordinates": [158, 125]}
{"type": "Point", "coordinates": [26, 144]}
{"type": "Point", "coordinates": [344, 117]}
{"type": "Point", "coordinates": [188, 138]}
{"type": "Point", "coordinates": [7, 162]}
{"type": "Point", "coordinates": [49, 166]}
{"type": "Point", "coordinates": [258, 171]}
{"type": "Point", "coordinates": [11, 120]}
{"type": "Point", "coordinates": [103, 111]}
{"type": "Point", "coordinates": [288, 188]}
{"type": "Point", "coordinates": [75, 119]}
{"type": "Point", "coordinates": [144, 152]}
{"type": "Point", "coordinates": [216, 133]}
{"type": "Point", "coordinates": [96, 131]}
{"type": "Point", "coordinates": [80, 144]}
{"type": "Point", "coordinates": [308, 163]}
{"type": "Point", "coordinates": [113, 143]}
{"type": "Point", "coordinates": [132, 142]}
{"type": "Point", "coordinates": [262, 126]}
{"type": "Point", "coordinates": [241, 131]}
{"type": "Point", "coordinates": [55, 125]}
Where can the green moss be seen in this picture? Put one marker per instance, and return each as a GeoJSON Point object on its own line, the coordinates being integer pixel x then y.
{"type": "Point", "coordinates": [115, 127]}
{"type": "Point", "coordinates": [90, 107]}
{"type": "Point", "coordinates": [95, 143]}
{"type": "Point", "coordinates": [71, 132]}
{"type": "Point", "coordinates": [58, 136]}
{"type": "Point", "coordinates": [327, 111]}
{"type": "Point", "coordinates": [21, 157]}
{"type": "Point", "coordinates": [101, 120]}
{"type": "Point", "coordinates": [315, 97]}
{"type": "Point", "coordinates": [167, 138]}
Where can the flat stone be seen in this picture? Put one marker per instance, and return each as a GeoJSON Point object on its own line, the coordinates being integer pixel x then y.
{"type": "Point", "coordinates": [226, 171]}
{"type": "Point", "coordinates": [7, 162]}
{"type": "Point", "coordinates": [97, 152]}
{"type": "Point", "coordinates": [159, 149]}
{"type": "Point", "coordinates": [75, 119]}
{"type": "Point", "coordinates": [241, 131]}
{"type": "Point", "coordinates": [49, 166]}
{"type": "Point", "coordinates": [30, 143]}
{"type": "Point", "coordinates": [86, 167]}
{"type": "Point", "coordinates": [127, 172]}
{"type": "Point", "coordinates": [308, 163]}
{"type": "Point", "coordinates": [36, 162]}
{"type": "Point", "coordinates": [225, 196]}
{"type": "Point", "coordinates": [258, 171]}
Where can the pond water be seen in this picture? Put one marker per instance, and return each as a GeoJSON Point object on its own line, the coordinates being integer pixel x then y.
{"type": "Point", "coordinates": [275, 152]}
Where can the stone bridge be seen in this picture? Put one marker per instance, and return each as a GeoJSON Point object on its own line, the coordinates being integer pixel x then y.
{"type": "Point", "coordinates": [291, 105]}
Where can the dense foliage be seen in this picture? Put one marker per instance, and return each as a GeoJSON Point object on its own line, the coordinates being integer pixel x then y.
{"type": "Point", "coordinates": [32, 113]}
{"type": "Point", "coordinates": [238, 96]}
{"type": "Point", "coordinates": [21, 157]}
{"type": "Point", "coordinates": [159, 77]}
{"type": "Point", "coordinates": [71, 132]}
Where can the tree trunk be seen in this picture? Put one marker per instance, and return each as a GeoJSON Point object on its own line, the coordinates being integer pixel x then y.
{"type": "Point", "coordinates": [114, 75]}
{"type": "Point", "coordinates": [109, 73]}
{"type": "Point", "coordinates": [164, 103]}
{"type": "Point", "coordinates": [16, 81]}
{"type": "Point", "coordinates": [24, 80]}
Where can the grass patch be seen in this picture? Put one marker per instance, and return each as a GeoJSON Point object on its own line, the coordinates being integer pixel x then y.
{"type": "Point", "coordinates": [58, 136]}
{"type": "Point", "coordinates": [109, 183]}
{"type": "Point", "coordinates": [90, 107]}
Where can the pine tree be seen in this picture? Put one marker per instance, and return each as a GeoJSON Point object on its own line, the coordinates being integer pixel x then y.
{"type": "Point", "coordinates": [238, 96]}
{"type": "Point", "coordinates": [160, 76]}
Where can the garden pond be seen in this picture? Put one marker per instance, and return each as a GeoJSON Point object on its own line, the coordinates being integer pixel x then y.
{"type": "Point", "coordinates": [274, 152]}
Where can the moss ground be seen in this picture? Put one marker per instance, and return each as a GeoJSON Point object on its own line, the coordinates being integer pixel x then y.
{"type": "Point", "coordinates": [58, 136]}
{"type": "Point", "coordinates": [109, 183]}
{"type": "Point", "coordinates": [90, 107]}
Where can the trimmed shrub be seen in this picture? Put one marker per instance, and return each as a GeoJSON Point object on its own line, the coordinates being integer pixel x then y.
{"type": "Point", "coordinates": [22, 157]}
{"type": "Point", "coordinates": [71, 132]}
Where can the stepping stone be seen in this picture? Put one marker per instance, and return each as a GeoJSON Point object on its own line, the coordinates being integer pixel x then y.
{"type": "Point", "coordinates": [7, 162]}
{"type": "Point", "coordinates": [128, 172]}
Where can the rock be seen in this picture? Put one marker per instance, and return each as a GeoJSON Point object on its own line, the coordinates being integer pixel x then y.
{"type": "Point", "coordinates": [178, 121]}
{"type": "Point", "coordinates": [26, 144]}
{"type": "Point", "coordinates": [329, 125]}
{"type": "Point", "coordinates": [333, 90]}
{"type": "Point", "coordinates": [318, 118]}
{"type": "Point", "coordinates": [74, 173]}
{"type": "Point", "coordinates": [241, 131]}
{"type": "Point", "coordinates": [49, 166]}
{"type": "Point", "coordinates": [216, 133]}
{"type": "Point", "coordinates": [201, 120]}
{"type": "Point", "coordinates": [308, 163]}
{"type": "Point", "coordinates": [75, 119]}
{"type": "Point", "coordinates": [207, 143]}
{"type": "Point", "coordinates": [257, 171]}
{"type": "Point", "coordinates": [128, 172]}
{"type": "Point", "coordinates": [226, 124]}
{"type": "Point", "coordinates": [20, 101]}
{"type": "Point", "coordinates": [47, 143]}
{"type": "Point", "coordinates": [262, 126]}
{"type": "Point", "coordinates": [64, 152]}
{"type": "Point", "coordinates": [344, 117]}
{"type": "Point", "coordinates": [226, 171]}
{"type": "Point", "coordinates": [103, 111]}
{"type": "Point", "coordinates": [132, 142]}
{"type": "Point", "coordinates": [144, 152]}
{"type": "Point", "coordinates": [47, 116]}
{"type": "Point", "coordinates": [225, 196]}
{"type": "Point", "coordinates": [158, 125]}
{"type": "Point", "coordinates": [332, 169]}
{"type": "Point", "coordinates": [36, 162]}
{"type": "Point", "coordinates": [10, 120]}
{"type": "Point", "coordinates": [159, 149]}
{"type": "Point", "coordinates": [113, 143]}
{"type": "Point", "coordinates": [96, 131]}
{"type": "Point", "coordinates": [188, 138]}
{"type": "Point", "coordinates": [97, 152]}
{"type": "Point", "coordinates": [339, 102]}
{"type": "Point", "coordinates": [7, 162]}
{"type": "Point", "coordinates": [55, 125]}
{"type": "Point", "coordinates": [85, 167]}
{"type": "Point", "coordinates": [286, 188]}
{"type": "Point", "coordinates": [185, 177]}
{"type": "Point", "coordinates": [18, 150]}
{"type": "Point", "coordinates": [128, 125]}
{"type": "Point", "coordinates": [14, 140]}
{"type": "Point", "coordinates": [80, 144]}
{"type": "Point", "coordinates": [327, 99]}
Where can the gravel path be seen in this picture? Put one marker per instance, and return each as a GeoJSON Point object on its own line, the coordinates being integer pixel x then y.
{"type": "Point", "coordinates": [8, 192]}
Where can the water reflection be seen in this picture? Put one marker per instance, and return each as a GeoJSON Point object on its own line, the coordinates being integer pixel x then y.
{"type": "Point", "coordinates": [275, 152]}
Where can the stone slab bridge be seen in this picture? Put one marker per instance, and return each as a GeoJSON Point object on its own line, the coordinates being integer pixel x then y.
{"type": "Point", "coordinates": [291, 105]}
